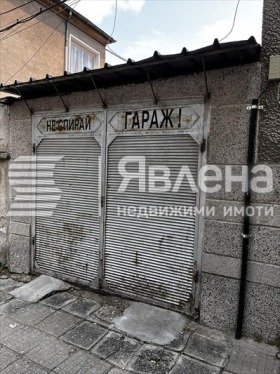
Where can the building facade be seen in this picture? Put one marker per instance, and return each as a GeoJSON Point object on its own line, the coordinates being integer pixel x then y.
{"type": "Point", "coordinates": [115, 203]}
{"type": "Point", "coordinates": [57, 39]}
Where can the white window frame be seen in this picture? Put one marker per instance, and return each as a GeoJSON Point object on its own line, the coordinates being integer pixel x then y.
{"type": "Point", "coordinates": [74, 40]}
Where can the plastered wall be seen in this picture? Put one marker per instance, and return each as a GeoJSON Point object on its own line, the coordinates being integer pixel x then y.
{"type": "Point", "coordinates": [231, 91]}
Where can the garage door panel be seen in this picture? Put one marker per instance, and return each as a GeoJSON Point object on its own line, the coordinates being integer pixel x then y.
{"type": "Point", "coordinates": [67, 242]}
{"type": "Point", "coordinates": [151, 256]}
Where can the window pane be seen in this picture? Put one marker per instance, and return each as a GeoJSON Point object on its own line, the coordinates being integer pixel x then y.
{"type": "Point", "coordinates": [80, 58]}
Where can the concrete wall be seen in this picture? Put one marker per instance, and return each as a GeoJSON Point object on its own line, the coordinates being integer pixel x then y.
{"type": "Point", "coordinates": [4, 188]}
{"type": "Point", "coordinates": [269, 141]}
{"type": "Point", "coordinates": [231, 90]}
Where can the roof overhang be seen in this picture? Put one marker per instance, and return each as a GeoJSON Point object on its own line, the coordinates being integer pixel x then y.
{"type": "Point", "coordinates": [78, 20]}
{"type": "Point", "coordinates": [216, 56]}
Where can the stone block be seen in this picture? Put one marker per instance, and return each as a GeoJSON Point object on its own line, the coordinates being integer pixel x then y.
{"type": "Point", "coordinates": [188, 365]}
{"type": "Point", "coordinates": [231, 267]}
{"type": "Point", "coordinates": [18, 228]}
{"type": "Point", "coordinates": [264, 244]}
{"type": "Point", "coordinates": [219, 305]}
{"type": "Point", "coordinates": [6, 357]}
{"type": "Point", "coordinates": [19, 254]}
{"type": "Point", "coordinates": [221, 265]}
{"type": "Point", "coordinates": [20, 138]}
{"type": "Point", "coordinates": [219, 301]}
{"type": "Point", "coordinates": [272, 197]}
{"type": "Point", "coordinates": [85, 335]}
{"type": "Point", "coordinates": [116, 348]}
{"type": "Point", "coordinates": [228, 135]}
{"type": "Point", "coordinates": [33, 314]}
{"type": "Point", "coordinates": [58, 323]}
{"type": "Point", "coordinates": [231, 211]}
{"type": "Point", "coordinates": [50, 353]}
{"type": "Point", "coordinates": [59, 300]}
{"type": "Point", "coordinates": [262, 307]}
{"type": "Point", "coordinates": [82, 307]}
{"type": "Point", "coordinates": [223, 238]}
{"type": "Point", "coordinates": [82, 362]}
{"type": "Point", "coordinates": [153, 359]}
{"type": "Point", "coordinates": [203, 348]}
{"type": "Point", "coordinates": [23, 366]}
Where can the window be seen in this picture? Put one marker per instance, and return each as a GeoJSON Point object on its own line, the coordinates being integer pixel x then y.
{"type": "Point", "coordinates": [82, 56]}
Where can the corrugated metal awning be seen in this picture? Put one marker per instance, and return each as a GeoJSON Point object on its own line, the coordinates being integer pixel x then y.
{"type": "Point", "coordinates": [216, 56]}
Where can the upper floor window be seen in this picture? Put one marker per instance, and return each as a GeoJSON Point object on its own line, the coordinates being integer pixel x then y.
{"type": "Point", "coordinates": [81, 55]}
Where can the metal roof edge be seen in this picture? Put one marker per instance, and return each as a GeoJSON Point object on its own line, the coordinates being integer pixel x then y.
{"type": "Point", "coordinates": [215, 56]}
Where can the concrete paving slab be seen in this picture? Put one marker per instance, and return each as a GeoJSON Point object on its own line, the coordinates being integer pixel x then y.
{"type": "Point", "coordinates": [12, 307]}
{"type": "Point", "coordinates": [8, 326]}
{"type": "Point", "coordinates": [246, 359]}
{"type": "Point", "coordinates": [180, 343]}
{"type": "Point", "coordinates": [209, 350]}
{"type": "Point", "coordinates": [24, 339]}
{"type": "Point", "coordinates": [50, 353]}
{"type": "Point", "coordinates": [186, 365]}
{"type": "Point", "coordinates": [81, 307]}
{"type": "Point", "coordinates": [82, 363]}
{"type": "Point", "coordinates": [7, 284]}
{"type": "Point", "coordinates": [85, 335]}
{"type": "Point", "coordinates": [152, 359]}
{"type": "Point", "coordinates": [24, 366]}
{"type": "Point", "coordinates": [33, 314]}
{"type": "Point", "coordinates": [7, 357]}
{"type": "Point", "coordinates": [4, 297]}
{"type": "Point", "coordinates": [118, 371]}
{"type": "Point", "coordinates": [59, 323]}
{"type": "Point", "coordinates": [116, 348]}
{"type": "Point", "coordinates": [151, 324]}
{"type": "Point", "coordinates": [59, 300]}
{"type": "Point", "coordinates": [39, 288]}
{"type": "Point", "coordinates": [107, 313]}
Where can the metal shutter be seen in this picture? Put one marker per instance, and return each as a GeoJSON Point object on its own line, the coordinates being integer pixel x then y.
{"type": "Point", "coordinates": [67, 242]}
{"type": "Point", "coordinates": [151, 257]}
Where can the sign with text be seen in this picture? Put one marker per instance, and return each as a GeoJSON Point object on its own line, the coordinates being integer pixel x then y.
{"type": "Point", "coordinates": [71, 124]}
{"type": "Point", "coordinates": [155, 119]}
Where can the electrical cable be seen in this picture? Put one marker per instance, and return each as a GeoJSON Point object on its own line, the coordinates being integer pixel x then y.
{"type": "Point", "coordinates": [43, 19]}
{"type": "Point", "coordinates": [115, 54]}
{"type": "Point", "coordinates": [109, 49]}
{"type": "Point", "coordinates": [77, 1]}
{"type": "Point", "coordinates": [29, 18]}
{"type": "Point", "coordinates": [233, 24]}
{"type": "Point", "coordinates": [20, 6]}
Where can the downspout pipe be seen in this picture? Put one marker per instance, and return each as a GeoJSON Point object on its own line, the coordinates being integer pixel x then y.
{"type": "Point", "coordinates": [66, 53]}
{"type": "Point", "coordinates": [246, 224]}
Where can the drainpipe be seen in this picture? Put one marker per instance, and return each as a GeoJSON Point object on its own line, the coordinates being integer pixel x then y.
{"type": "Point", "coordinates": [246, 224]}
{"type": "Point", "coordinates": [66, 67]}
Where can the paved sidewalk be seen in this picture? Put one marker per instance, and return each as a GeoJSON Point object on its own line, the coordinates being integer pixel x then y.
{"type": "Point", "coordinates": [74, 332]}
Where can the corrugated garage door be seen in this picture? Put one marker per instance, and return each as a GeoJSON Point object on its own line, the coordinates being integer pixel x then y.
{"type": "Point", "coordinates": [151, 256]}
{"type": "Point", "coordinates": [67, 242]}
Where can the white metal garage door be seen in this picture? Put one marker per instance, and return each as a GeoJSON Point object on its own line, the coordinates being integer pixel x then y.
{"type": "Point", "coordinates": [151, 256]}
{"type": "Point", "coordinates": [67, 242]}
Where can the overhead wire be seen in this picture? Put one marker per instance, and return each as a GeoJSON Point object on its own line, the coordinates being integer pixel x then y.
{"type": "Point", "coordinates": [29, 18]}
{"type": "Point", "coordinates": [17, 7]}
{"type": "Point", "coordinates": [38, 50]}
{"type": "Point", "coordinates": [109, 49]}
{"type": "Point", "coordinates": [233, 24]}
{"type": "Point", "coordinates": [12, 33]}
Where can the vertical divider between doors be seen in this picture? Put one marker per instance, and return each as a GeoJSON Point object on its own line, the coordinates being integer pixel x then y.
{"type": "Point", "coordinates": [102, 202]}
